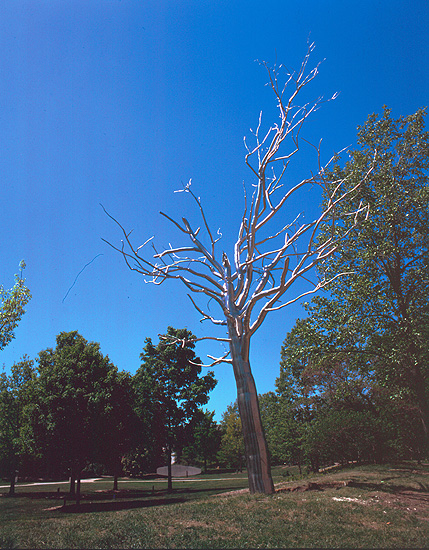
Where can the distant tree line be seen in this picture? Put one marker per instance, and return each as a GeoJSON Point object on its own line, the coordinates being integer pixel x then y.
{"type": "Point", "coordinates": [75, 411]}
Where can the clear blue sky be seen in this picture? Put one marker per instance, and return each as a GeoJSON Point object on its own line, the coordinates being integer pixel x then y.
{"type": "Point", "coordinates": [118, 102]}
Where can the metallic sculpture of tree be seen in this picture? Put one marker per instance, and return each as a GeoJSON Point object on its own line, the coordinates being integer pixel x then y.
{"type": "Point", "coordinates": [265, 264]}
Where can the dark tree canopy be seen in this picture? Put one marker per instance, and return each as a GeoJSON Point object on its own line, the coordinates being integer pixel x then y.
{"type": "Point", "coordinates": [79, 403]}
{"type": "Point", "coordinates": [202, 439]}
{"type": "Point", "coordinates": [283, 423]}
{"type": "Point", "coordinates": [15, 399]}
{"type": "Point", "coordinates": [170, 387]}
{"type": "Point", "coordinates": [232, 452]}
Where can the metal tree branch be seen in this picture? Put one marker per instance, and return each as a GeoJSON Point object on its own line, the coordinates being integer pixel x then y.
{"type": "Point", "coordinates": [265, 263]}
{"type": "Point", "coordinates": [255, 275]}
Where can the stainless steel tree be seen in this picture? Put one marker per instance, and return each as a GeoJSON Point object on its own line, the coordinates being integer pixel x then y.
{"type": "Point", "coordinates": [266, 262]}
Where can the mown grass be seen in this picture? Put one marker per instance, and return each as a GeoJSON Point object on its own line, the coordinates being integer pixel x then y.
{"type": "Point", "coordinates": [362, 507]}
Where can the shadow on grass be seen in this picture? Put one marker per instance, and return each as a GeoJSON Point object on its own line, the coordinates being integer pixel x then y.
{"type": "Point", "coordinates": [115, 505]}
{"type": "Point", "coordinates": [93, 503]}
{"type": "Point", "coordinates": [108, 500]}
{"type": "Point", "coordinates": [188, 492]}
{"type": "Point", "coordinates": [118, 495]}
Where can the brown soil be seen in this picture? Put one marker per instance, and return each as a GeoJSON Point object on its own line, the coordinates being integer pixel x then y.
{"type": "Point", "coordinates": [414, 502]}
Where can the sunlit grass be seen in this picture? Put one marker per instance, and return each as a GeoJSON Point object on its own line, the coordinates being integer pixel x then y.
{"type": "Point", "coordinates": [363, 514]}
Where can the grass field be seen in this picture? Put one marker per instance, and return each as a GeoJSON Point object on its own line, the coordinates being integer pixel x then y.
{"type": "Point", "coordinates": [360, 507]}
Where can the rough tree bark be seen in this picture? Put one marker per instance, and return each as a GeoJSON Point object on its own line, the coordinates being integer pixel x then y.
{"type": "Point", "coordinates": [265, 263]}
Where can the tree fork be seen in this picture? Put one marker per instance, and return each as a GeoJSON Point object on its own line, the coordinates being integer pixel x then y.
{"type": "Point", "coordinates": [262, 271]}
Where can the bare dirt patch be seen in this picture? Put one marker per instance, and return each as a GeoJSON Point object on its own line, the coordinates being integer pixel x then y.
{"type": "Point", "coordinates": [413, 502]}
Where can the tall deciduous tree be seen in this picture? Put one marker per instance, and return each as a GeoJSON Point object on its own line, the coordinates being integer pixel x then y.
{"type": "Point", "coordinates": [15, 396]}
{"type": "Point", "coordinates": [281, 418]}
{"type": "Point", "coordinates": [118, 426]}
{"type": "Point", "coordinates": [379, 312]}
{"type": "Point", "coordinates": [77, 410]}
{"type": "Point", "coordinates": [232, 445]}
{"type": "Point", "coordinates": [202, 441]}
{"type": "Point", "coordinates": [267, 258]}
{"type": "Point", "coordinates": [170, 385]}
{"type": "Point", "coordinates": [344, 413]}
{"type": "Point", "coordinates": [12, 307]}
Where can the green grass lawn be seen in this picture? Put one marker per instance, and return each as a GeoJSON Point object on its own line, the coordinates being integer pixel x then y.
{"type": "Point", "coordinates": [361, 507]}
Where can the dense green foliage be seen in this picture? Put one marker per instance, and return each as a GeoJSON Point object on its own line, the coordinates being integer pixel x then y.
{"type": "Point", "coordinates": [78, 405]}
{"type": "Point", "coordinates": [231, 452]}
{"type": "Point", "coordinates": [170, 391]}
{"type": "Point", "coordinates": [15, 407]}
{"type": "Point", "coordinates": [360, 359]}
{"type": "Point", "coordinates": [202, 439]}
{"type": "Point", "coordinates": [12, 304]}
{"type": "Point", "coordinates": [77, 412]}
{"type": "Point", "coordinates": [282, 427]}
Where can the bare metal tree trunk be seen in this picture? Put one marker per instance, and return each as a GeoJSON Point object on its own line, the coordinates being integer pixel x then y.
{"type": "Point", "coordinates": [255, 444]}
{"type": "Point", "coordinates": [266, 263]}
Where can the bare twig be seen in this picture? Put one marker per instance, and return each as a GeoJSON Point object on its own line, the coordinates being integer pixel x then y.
{"type": "Point", "coordinates": [266, 264]}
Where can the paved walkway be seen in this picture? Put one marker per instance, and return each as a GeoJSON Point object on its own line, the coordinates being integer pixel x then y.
{"type": "Point", "coordinates": [121, 481]}
{"type": "Point", "coordinates": [18, 485]}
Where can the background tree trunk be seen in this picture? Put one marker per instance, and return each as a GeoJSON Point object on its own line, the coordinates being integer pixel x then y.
{"type": "Point", "coordinates": [12, 482]}
{"type": "Point", "coordinates": [423, 405]}
{"type": "Point", "coordinates": [169, 482]}
{"type": "Point", "coordinates": [72, 483]}
{"type": "Point", "coordinates": [78, 487]}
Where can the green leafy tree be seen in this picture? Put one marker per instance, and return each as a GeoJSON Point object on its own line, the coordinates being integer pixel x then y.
{"type": "Point", "coordinates": [312, 370]}
{"type": "Point", "coordinates": [386, 294]}
{"type": "Point", "coordinates": [327, 385]}
{"type": "Point", "coordinates": [171, 389]}
{"type": "Point", "coordinates": [119, 426]}
{"type": "Point", "coordinates": [76, 418]}
{"type": "Point", "coordinates": [15, 397]}
{"type": "Point", "coordinates": [298, 347]}
{"type": "Point", "coordinates": [12, 307]}
{"type": "Point", "coordinates": [374, 321]}
{"type": "Point", "coordinates": [232, 444]}
{"type": "Point", "coordinates": [281, 418]}
{"type": "Point", "coordinates": [340, 435]}
{"type": "Point", "coordinates": [202, 440]}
